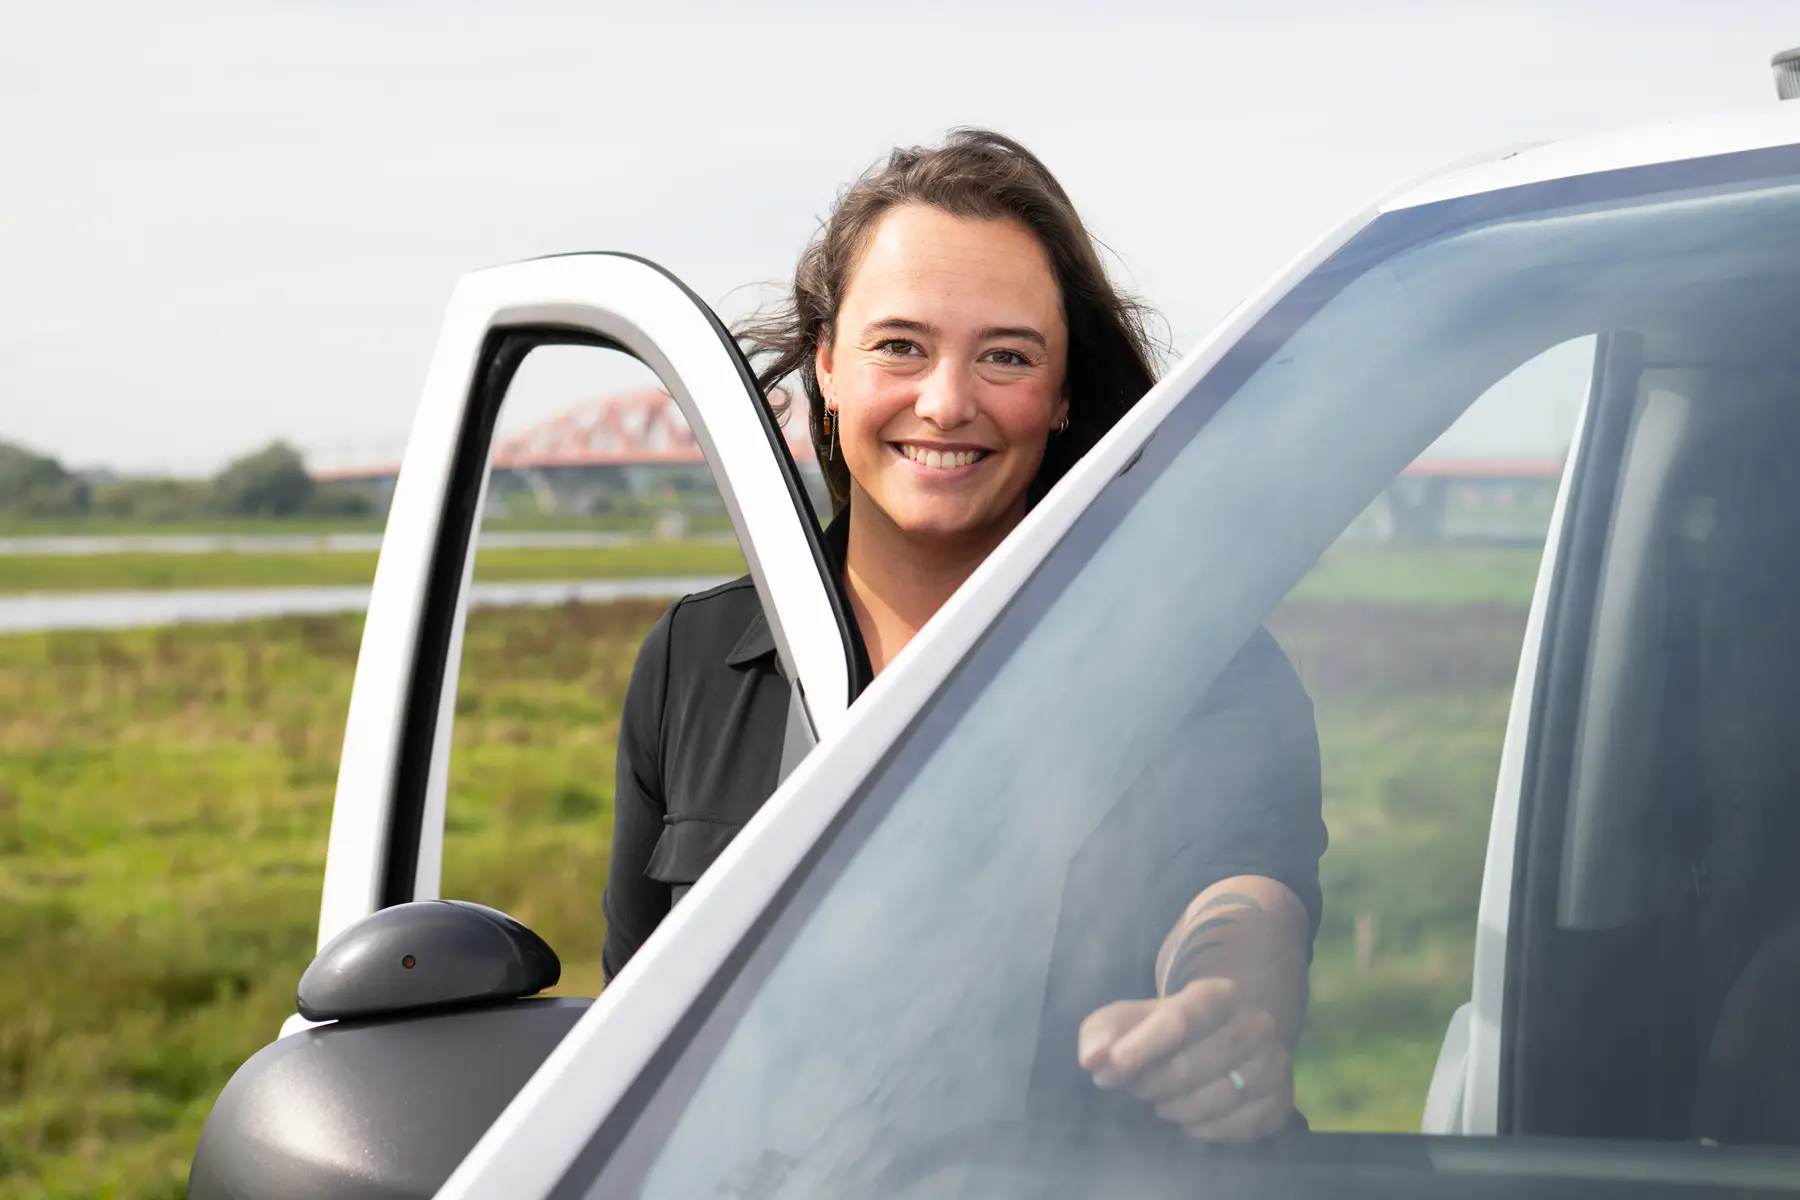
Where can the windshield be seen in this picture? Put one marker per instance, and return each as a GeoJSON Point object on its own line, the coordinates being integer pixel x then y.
{"type": "Point", "coordinates": [1302, 583]}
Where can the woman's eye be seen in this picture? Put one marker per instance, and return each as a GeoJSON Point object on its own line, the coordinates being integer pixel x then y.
{"type": "Point", "coordinates": [896, 346]}
{"type": "Point", "coordinates": [1010, 358]}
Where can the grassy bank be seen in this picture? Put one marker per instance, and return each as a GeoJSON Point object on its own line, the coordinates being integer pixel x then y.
{"type": "Point", "coordinates": [164, 798]}
{"type": "Point", "coordinates": [1429, 575]}
{"type": "Point", "coordinates": [1450, 576]}
{"type": "Point", "coordinates": [1411, 704]}
{"type": "Point", "coordinates": [157, 572]}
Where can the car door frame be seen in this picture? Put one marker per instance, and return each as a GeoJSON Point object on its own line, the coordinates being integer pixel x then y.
{"type": "Point", "coordinates": [1465, 1092]}
{"type": "Point", "coordinates": [387, 821]}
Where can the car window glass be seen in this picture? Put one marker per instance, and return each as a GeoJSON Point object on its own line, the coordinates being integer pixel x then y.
{"type": "Point", "coordinates": [1406, 637]}
{"type": "Point", "coordinates": [1293, 526]}
{"type": "Point", "coordinates": [599, 511]}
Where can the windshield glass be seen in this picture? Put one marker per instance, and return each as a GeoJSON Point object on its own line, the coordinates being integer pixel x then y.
{"type": "Point", "coordinates": [1301, 611]}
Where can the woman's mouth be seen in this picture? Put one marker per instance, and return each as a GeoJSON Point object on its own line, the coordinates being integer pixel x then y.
{"type": "Point", "coordinates": [937, 458]}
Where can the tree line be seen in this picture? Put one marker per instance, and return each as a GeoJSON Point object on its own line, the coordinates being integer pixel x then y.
{"type": "Point", "coordinates": [271, 482]}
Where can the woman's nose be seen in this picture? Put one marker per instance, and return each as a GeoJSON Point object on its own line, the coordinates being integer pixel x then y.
{"type": "Point", "coordinates": [947, 398]}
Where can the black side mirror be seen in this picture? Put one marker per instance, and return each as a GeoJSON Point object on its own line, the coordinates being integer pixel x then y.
{"type": "Point", "coordinates": [431, 1036]}
{"type": "Point", "coordinates": [427, 954]}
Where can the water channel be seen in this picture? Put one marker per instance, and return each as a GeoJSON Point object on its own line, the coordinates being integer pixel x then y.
{"type": "Point", "coordinates": [39, 611]}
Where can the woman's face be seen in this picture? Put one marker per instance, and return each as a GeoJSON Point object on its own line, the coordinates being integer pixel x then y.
{"type": "Point", "coordinates": [946, 370]}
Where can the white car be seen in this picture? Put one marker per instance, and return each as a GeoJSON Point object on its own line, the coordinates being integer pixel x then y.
{"type": "Point", "coordinates": [847, 1003]}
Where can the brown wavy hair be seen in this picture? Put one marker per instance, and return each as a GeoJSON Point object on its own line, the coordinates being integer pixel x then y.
{"type": "Point", "coordinates": [979, 175]}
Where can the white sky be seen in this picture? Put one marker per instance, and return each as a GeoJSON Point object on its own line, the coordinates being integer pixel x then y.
{"type": "Point", "coordinates": [226, 222]}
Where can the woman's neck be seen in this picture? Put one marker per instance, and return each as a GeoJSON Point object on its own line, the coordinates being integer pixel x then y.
{"type": "Point", "coordinates": [897, 581]}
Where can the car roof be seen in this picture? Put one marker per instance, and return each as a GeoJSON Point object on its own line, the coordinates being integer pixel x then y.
{"type": "Point", "coordinates": [1776, 124]}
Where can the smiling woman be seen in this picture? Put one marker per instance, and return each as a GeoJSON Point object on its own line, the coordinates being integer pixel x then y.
{"type": "Point", "coordinates": [983, 356]}
{"type": "Point", "coordinates": [960, 345]}
{"type": "Point", "coordinates": [943, 381]}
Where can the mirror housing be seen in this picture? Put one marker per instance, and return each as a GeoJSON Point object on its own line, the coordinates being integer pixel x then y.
{"type": "Point", "coordinates": [430, 1036]}
{"type": "Point", "coordinates": [426, 954]}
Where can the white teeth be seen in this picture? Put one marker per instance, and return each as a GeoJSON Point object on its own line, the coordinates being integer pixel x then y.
{"type": "Point", "coordinates": [940, 459]}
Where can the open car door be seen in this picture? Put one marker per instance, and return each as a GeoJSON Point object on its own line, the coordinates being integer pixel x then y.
{"type": "Point", "coordinates": [388, 820]}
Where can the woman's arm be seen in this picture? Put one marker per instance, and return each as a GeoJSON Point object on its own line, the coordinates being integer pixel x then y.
{"type": "Point", "coordinates": [1212, 1049]}
{"type": "Point", "coordinates": [1249, 929]}
{"type": "Point", "coordinates": [634, 903]}
{"type": "Point", "coordinates": [1232, 999]}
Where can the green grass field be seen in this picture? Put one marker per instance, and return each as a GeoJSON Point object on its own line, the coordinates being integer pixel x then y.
{"type": "Point", "coordinates": [164, 798]}
{"type": "Point", "coordinates": [1406, 576]}
{"type": "Point", "coordinates": [1426, 576]}
{"type": "Point", "coordinates": [128, 571]}
{"type": "Point", "coordinates": [165, 794]}
{"type": "Point", "coordinates": [1411, 704]}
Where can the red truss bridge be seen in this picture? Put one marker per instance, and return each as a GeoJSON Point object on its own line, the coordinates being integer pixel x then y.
{"type": "Point", "coordinates": [640, 428]}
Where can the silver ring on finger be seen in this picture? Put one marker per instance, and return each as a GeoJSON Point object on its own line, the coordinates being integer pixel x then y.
{"type": "Point", "coordinates": [1237, 1083]}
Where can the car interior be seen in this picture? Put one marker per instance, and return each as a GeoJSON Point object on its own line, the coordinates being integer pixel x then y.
{"type": "Point", "coordinates": [1660, 952]}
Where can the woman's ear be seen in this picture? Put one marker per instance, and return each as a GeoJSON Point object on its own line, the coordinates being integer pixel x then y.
{"type": "Point", "coordinates": [822, 363]}
{"type": "Point", "coordinates": [1059, 413]}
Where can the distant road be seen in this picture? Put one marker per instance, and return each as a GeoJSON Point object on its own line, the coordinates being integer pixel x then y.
{"type": "Point", "coordinates": [38, 612]}
{"type": "Point", "coordinates": [288, 543]}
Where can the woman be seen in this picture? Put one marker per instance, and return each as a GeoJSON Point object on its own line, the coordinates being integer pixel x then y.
{"type": "Point", "coordinates": [960, 345]}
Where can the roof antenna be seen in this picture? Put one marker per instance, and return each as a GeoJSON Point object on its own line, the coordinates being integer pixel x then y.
{"type": "Point", "coordinates": [1787, 74]}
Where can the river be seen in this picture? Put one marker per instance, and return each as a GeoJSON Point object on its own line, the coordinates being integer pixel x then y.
{"type": "Point", "coordinates": [40, 611]}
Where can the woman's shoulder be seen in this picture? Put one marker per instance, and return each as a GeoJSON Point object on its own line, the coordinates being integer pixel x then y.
{"type": "Point", "coordinates": [716, 609]}
{"type": "Point", "coordinates": [1261, 674]}
{"type": "Point", "coordinates": [710, 627]}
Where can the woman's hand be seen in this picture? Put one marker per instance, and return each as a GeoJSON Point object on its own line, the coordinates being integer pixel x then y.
{"type": "Point", "coordinates": [1207, 1058]}
{"type": "Point", "coordinates": [1213, 1052]}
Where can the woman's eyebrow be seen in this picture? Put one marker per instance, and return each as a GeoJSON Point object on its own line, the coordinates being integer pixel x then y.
{"type": "Point", "coordinates": [1024, 333]}
{"type": "Point", "coordinates": [898, 325]}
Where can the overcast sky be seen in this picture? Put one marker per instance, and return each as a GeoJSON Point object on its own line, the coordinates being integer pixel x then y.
{"type": "Point", "coordinates": [226, 222]}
